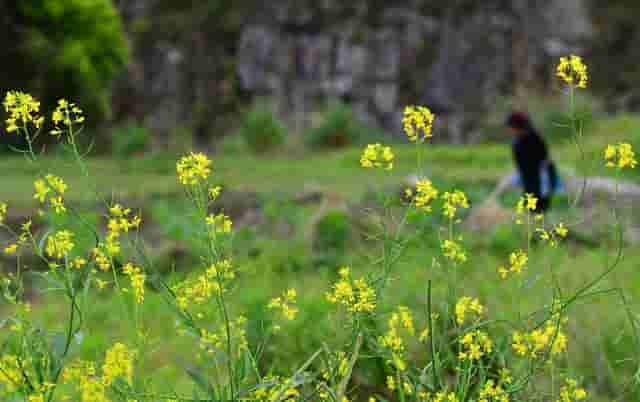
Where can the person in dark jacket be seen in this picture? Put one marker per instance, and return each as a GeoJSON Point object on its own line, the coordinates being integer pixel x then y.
{"type": "Point", "coordinates": [537, 174]}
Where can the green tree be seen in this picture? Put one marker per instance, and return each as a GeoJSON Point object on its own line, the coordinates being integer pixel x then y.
{"type": "Point", "coordinates": [71, 48]}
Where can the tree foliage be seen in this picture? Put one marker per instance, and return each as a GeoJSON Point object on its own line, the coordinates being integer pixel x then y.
{"type": "Point", "coordinates": [73, 48]}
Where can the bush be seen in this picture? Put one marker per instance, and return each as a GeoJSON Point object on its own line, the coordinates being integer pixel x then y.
{"type": "Point", "coordinates": [129, 139]}
{"type": "Point", "coordinates": [339, 128]}
{"type": "Point", "coordinates": [556, 125]}
{"type": "Point", "coordinates": [68, 48]}
{"type": "Point", "coordinates": [332, 233]}
{"type": "Point", "coordinates": [262, 130]}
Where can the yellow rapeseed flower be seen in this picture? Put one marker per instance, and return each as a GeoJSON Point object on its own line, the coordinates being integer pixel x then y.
{"type": "Point", "coordinates": [36, 398]}
{"type": "Point", "coordinates": [454, 251]}
{"type": "Point", "coordinates": [138, 278]}
{"type": "Point", "coordinates": [219, 223]}
{"type": "Point", "coordinates": [199, 290]}
{"type": "Point", "coordinates": [517, 263]}
{"type": "Point", "coordinates": [118, 363]}
{"type": "Point", "coordinates": [51, 188]}
{"type": "Point", "coordinates": [10, 373]}
{"type": "Point", "coordinates": [214, 192]}
{"type": "Point", "coordinates": [193, 169]}
{"type": "Point", "coordinates": [59, 244]}
{"type": "Point", "coordinates": [620, 156]}
{"type": "Point", "coordinates": [3, 211]}
{"type": "Point", "coordinates": [354, 294]}
{"type": "Point", "coordinates": [573, 71]}
{"type": "Point", "coordinates": [526, 203]}
{"type": "Point", "coordinates": [65, 116]}
{"type": "Point", "coordinates": [468, 306]}
{"type": "Point", "coordinates": [418, 123]}
{"type": "Point", "coordinates": [452, 201]}
{"type": "Point", "coordinates": [475, 345]}
{"type": "Point", "coordinates": [286, 304]}
{"type": "Point", "coordinates": [535, 343]}
{"type": "Point", "coordinates": [571, 392]}
{"type": "Point", "coordinates": [425, 194]}
{"type": "Point", "coordinates": [23, 110]}
{"type": "Point", "coordinates": [11, 249]}
{"type": "Point", "coordinates": [400, 322]}
{"type": "Point", "coordinates": [377, 156]}
{"type": "Point", "coordinates": [492, 392]}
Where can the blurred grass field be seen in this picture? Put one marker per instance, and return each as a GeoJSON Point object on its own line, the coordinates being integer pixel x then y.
{"type": "Point", "coordinates": [600, 335]}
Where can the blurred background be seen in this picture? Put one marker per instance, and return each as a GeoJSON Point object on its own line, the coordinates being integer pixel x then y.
{"type": "Point", "coordinates": [282, 94]}
{"type": "Point", "coordinates": [154, 75]}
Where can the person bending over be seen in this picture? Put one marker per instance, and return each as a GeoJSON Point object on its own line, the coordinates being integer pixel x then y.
{"type": "Point", "coordinates": [536, 172]}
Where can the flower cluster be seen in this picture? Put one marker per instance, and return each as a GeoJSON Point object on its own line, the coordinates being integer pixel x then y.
{"type": "Point", "coordinates": [286, 304]}
{"type": "Point", "coordinates": [212, 341]}
{"type": "Point", "coordinates": [440, 396]}
{"type": "Point", "coordinates": [418, 123]}
{"type": "Point", "coordinates": [425, 194]}
{"type": "Point", "coordinates": [571, 392]}
{"type": "Point", "coordinates": [549, 338]}
{"type": "Point", "coordinates": [201, 289]}
{"type": "Point", "coordinates": [193, 169]}
{"type": "Point", "coordinates": [377, 156]}
{"type": "Point", "coordinates": [454, 251]}
{"type": "Point", "coordinates": [517, 263]}
{"type": "Point", "coordinates": [84, 374]}
{"type": "Point", "coordinates": [52, 189]}
{"type": "Point", "coordinates": [10, 373]}
{"type": "Point", "coordinates": [65, 116]}
{"type": "Point", "coordinates": [475, 344]}
{"type": "Point", "coordinates": [620, 156]}
{"type": "Point", "coordinates": [119, 222]}
{"type": "Point", "coordinates": [137, 278]}
{"type": "Point", "coordinates": [573, 71]}
{"type": "Point", "coordinates": [400, 321]}
{"type": "Point", "coordinates": [214, 192]}
{"type": "Point", "coordinates": [336, 367]}
{"type": "Point", "coordinates": [276, 389]}
{"type": "Point", "coordinates": [551, 236]}
{"type": "Point", "coordinates": [492, 392]}
{"type": "Point", "coordinates": [219, 223]}
{"type": "Point", "coordinates": [23, 238]}
{"type": "Point", "coordinates": [118, 363]}
{"type": "Point", "coordinates": [452, 201]}
{"type": "Point", "coordinates": [59, 244]}
{"type": "Point", "coordinates": [528, 203]}
{"type": "Point", "coordinates": [467, 306]}
{"type": "Point", "coordinates": [3, 211]}
{"type": "Point", "coordinates": [354, 294]}
{"type": "Point", "coordinates": [23, 110]}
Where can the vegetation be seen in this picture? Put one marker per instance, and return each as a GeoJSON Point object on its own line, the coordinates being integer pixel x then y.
{"type": "Point", "coordinates": [338, 128]}
{"type": "Point", "coordinates": [261, 129]}
{"type": "Point", "coordinates": [81, 42]}
{"type": "Point", "coordinates": [420, 310]}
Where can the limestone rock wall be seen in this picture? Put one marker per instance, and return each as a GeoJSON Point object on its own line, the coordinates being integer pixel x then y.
{"type": "Point", "coordinates": [196, 64]}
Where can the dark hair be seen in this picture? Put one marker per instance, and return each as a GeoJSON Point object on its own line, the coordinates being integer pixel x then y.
{"type": "Point", "coordinates": [519, 120]}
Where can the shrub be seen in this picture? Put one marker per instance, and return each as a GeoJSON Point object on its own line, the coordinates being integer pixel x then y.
{"type": "Point", "coordinates": [82, 44]}
{"type": "Point", "coordinates": [261, 129]}
{"type": "Point", "coordinates": [338, 128]}
{"type": "Point", "coordinates": [331, 236]}
{"type": "Point", "coordinates": [129, 139]}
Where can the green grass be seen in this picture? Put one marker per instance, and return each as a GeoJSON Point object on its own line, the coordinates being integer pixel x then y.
{"type": "Point", "coordinates": [600, 342]}
{"type": "Point", "coordinates": [336, 171]}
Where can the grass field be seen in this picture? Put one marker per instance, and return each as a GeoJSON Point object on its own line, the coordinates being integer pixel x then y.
{"type": "Point", "coordinates": [601, 350]}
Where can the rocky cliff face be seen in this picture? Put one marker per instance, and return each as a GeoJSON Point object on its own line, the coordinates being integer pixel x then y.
{"type": "Point", "coordinates": [374, 54]}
